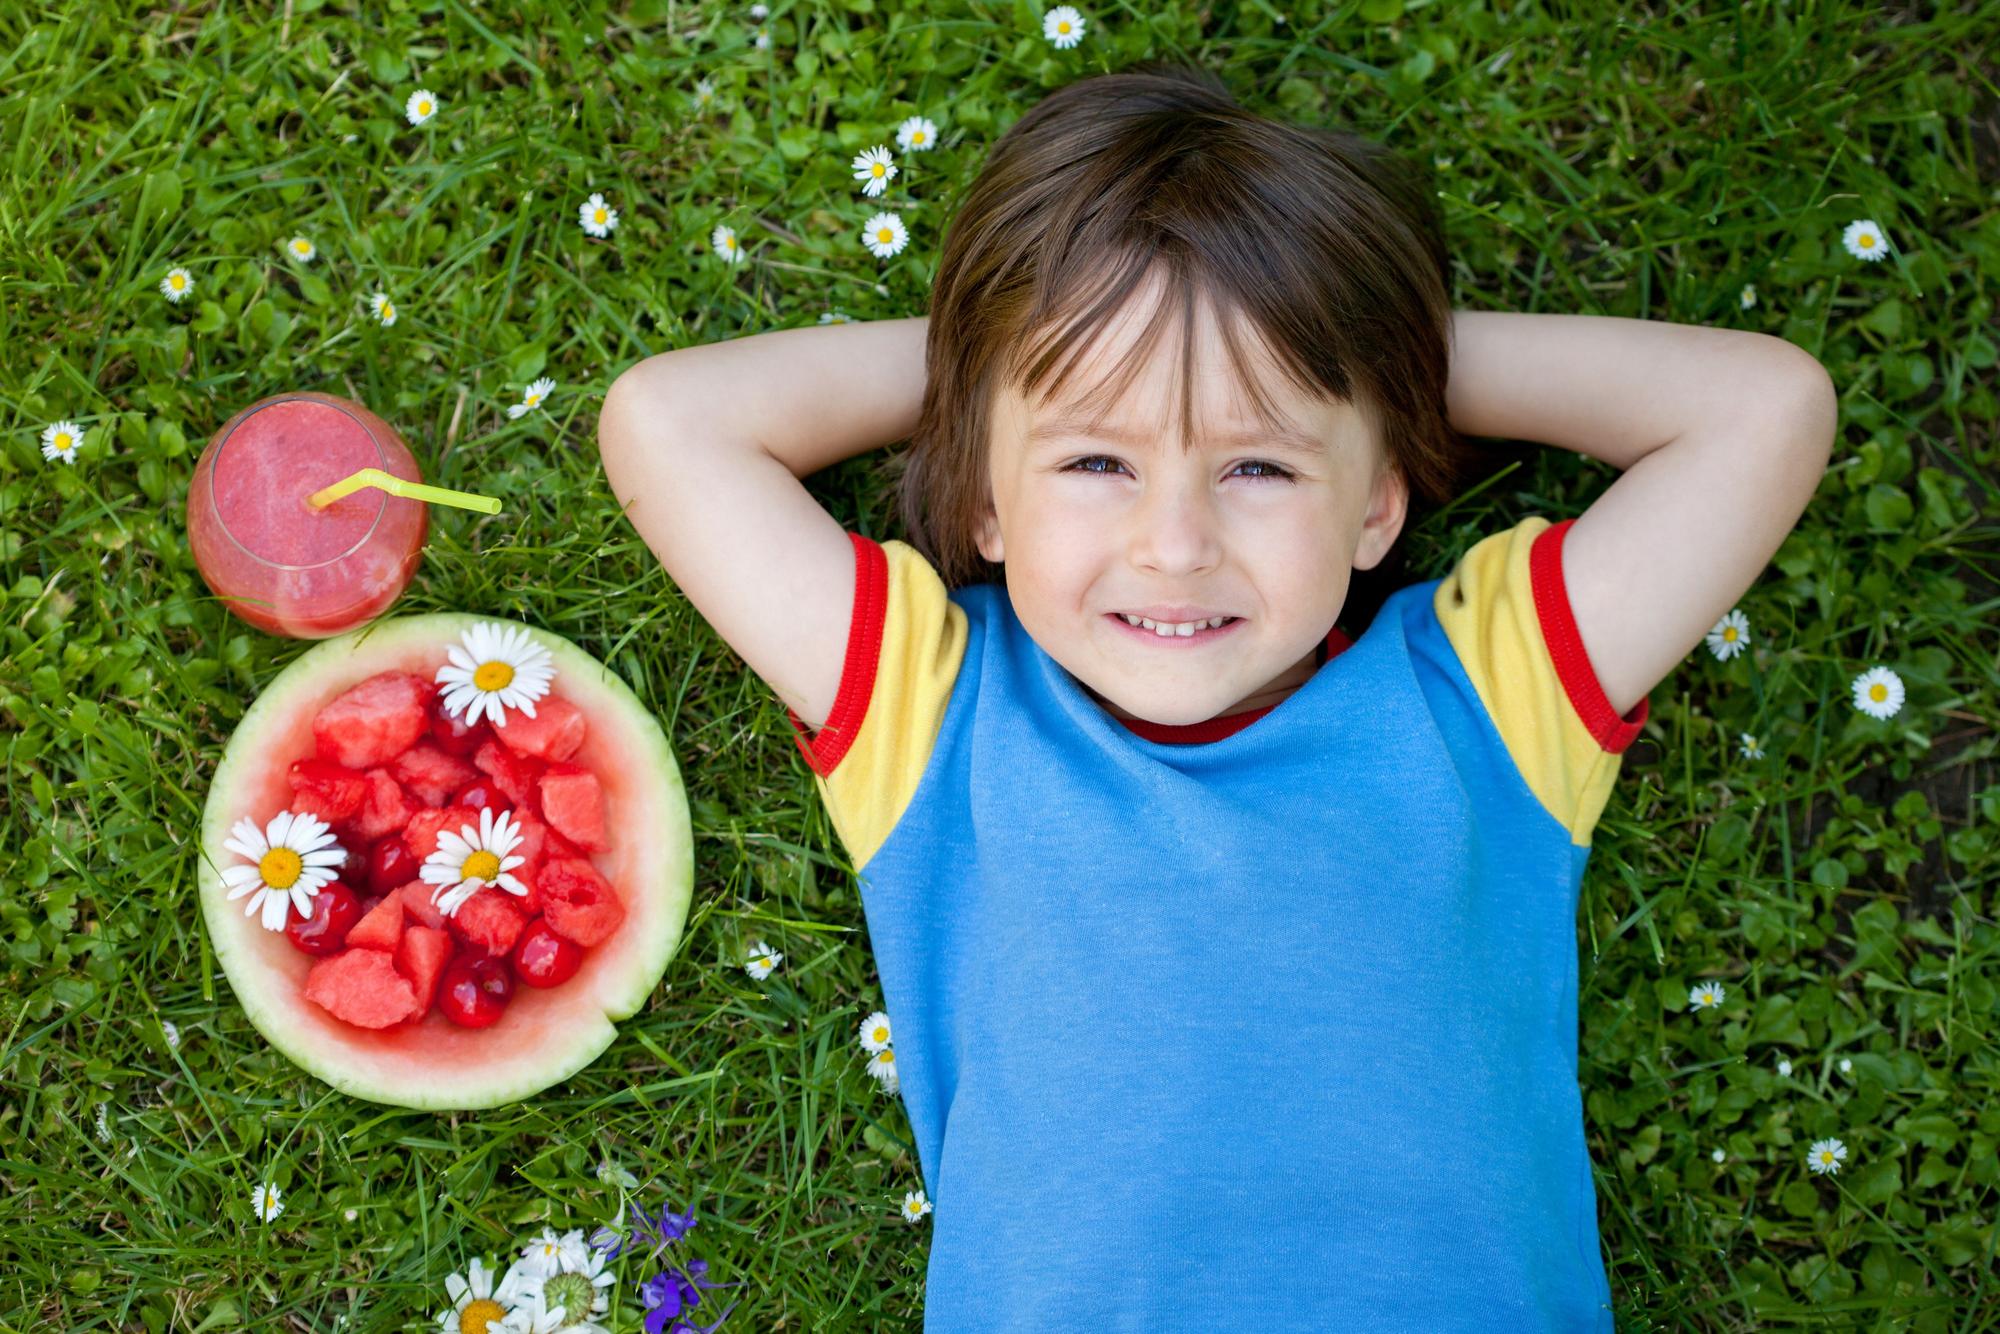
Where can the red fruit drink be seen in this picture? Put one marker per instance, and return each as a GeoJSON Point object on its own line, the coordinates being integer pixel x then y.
{"type": "Point", "coordinates": [277, 561]}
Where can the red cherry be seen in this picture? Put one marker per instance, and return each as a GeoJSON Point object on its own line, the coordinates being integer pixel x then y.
{"type": "Point", "coordinates": [453, 735]}
{"type": "Point", "coordinates": [474, 990]}
{"type": "Point", "coordinates": [482, 795]}
{"type": "Point", "coordinates": [335, 910]}
{"type": "Point", "coordinates": [391, 865]}
{"type": "Point", "coordinates": [544, 959]}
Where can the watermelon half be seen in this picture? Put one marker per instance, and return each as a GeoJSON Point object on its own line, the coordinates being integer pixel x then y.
{"type": "Point", "coordinates": [544, 1036]}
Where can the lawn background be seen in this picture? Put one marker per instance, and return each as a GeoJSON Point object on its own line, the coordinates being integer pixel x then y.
{"type": "Point", "coordinates": [1639, 161]}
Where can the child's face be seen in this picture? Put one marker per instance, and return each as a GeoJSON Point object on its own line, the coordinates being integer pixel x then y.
{"type": "Point", "coordinates": [1154, 525]}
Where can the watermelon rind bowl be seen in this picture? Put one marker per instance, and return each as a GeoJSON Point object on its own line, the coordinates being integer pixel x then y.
{"type": "Point", "coordinates": [544, 1036]}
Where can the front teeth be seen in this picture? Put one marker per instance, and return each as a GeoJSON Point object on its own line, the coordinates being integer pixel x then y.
{"type": "Point", "coordinates": [1182, 628]}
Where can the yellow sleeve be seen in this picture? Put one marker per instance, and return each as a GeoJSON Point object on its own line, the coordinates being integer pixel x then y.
{"type": "Point", "coordinates": [905, 642]}
{"type": "Point", "coordinates": [1505, 608]}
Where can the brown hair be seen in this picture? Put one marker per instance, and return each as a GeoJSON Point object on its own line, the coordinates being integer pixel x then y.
{"type": "Point", "coordinates": [1328, 242]}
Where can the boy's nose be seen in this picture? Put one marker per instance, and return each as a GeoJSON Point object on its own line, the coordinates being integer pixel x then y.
{"type": "Point", "coordinates": [1174, 526]}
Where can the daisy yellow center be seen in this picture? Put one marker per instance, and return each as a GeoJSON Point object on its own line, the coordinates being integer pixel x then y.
{"type": "Point", "coordinates": [388, 311]}
{"type": "Point", "coordinates": [888, 1058]}
{"type": "Point", "coordinates": [177, 281]}
{"type": "Point", "coordinates": [497, 675]}
{"type": "Point", "coordinates": [885, 236]}
{"type": "Point", "coordinates": [917, 138]}
{"type": "Point", "coordinates": [280, 868]}
{"type": "Point", "coordinates": [729, 243]}
{"type": "Point", "coordinates": [1729, 634]}
{"type": "Point", "coordinates": [1063, 27]}
{"type": "Point", "coordinates": [481, 865]}
{"type": "Point", "coordinates": [881, 1035]}
{"type": "Point", "coordinates": [597, 215]}
{"type": "Point", "coordinates": [1867, 241]}
{"type": "Point", "coordinates": [300, 247]}
{"type": "Point", "coordinates": [480, 1315]}
{"type": "Point", "coordinates": [501, 666]}
{"type": "Point", "coordinates": [876, 169]}
{"type": "Point", "coordinates": [1878, 692]}
{"type": "Point", "coordinates": [1826, 1155]}
{"type": "Point", "coordinates": [423, 108]}
{"type": "Point", "coordinates": [62, 439]}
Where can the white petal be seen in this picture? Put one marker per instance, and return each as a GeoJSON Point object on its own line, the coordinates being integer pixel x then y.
{"type": "Point", "coordinates": [256, 900]}
{"type": "Point", "coordinates": [246, 832]}
{"type": "Point", "coordinates": [279, 829]}
{"type": "Point", "coordinates": [332, 856]}
{"type": "Point", "coordinates": [438, 875]}
{"type": "Point", "coordinates": [302, 898]}
{"type": "Point", "coordinates": [274, 911]}
{"type": "Point", "coordinates": [511, 885]}
{"type": "Point", "coordinates": [241, 875]}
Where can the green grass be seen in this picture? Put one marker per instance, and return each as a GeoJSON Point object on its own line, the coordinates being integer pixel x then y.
{"type": "Point", "coordinates": [1651, 165]}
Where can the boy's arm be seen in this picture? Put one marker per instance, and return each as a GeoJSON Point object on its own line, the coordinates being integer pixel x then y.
{"type": "Point", "coordinates": [1723, 436]}
{"type": "Point", "coordinates": [704, 447]}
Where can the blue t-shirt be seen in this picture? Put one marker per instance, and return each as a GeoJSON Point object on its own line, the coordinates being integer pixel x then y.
{"type": "Point", "coordinates": [1274, 1030]}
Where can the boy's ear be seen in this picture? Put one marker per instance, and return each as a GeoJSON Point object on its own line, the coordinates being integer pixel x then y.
{"type": "Point", "coordinates": [1388, 506]}
{"type": "Point", "coordinates": [987, 536]}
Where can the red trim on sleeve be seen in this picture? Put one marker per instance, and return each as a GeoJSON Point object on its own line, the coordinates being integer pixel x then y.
{"type": "Point", "coordinates": [1228, 724]}
{"type": "Point", "coordinates": [824, 749]}
{"type": "Point", "coordinates": [1573, 667]}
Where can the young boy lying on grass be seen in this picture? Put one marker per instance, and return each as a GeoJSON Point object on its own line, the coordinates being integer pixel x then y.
{"type": "Point", "coordinates": [1232, 961]}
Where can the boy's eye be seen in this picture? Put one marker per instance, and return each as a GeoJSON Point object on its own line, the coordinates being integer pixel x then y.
{"type": "Point", "coordinates": [1272, 471]}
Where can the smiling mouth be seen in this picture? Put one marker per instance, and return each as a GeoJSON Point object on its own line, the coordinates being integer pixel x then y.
{"type": "Point", "coordinates": [1186, 633]}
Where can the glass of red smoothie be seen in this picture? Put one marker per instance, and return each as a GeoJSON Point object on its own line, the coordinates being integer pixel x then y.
{"type": "Point", "coordinates": [281, 563]}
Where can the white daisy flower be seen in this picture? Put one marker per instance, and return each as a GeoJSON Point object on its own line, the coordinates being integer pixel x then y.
{"type": "Point", "coordinates": [882, 1065]}
{"type": "Point", "coordinates": [1750, 749]}
{"type": "Point", "coordinates": [1729, 635]}
{"type": "Point", "coordinates": [1747, 297]}
{"type": "Point", "coordinates": [173, 1033]}
{"type": "Point", "coordinates": [1846, 1066]}
{"type": "Point", "coordinates": [498, 665]}
{"type": "Point", "coordinates": [875, 1032]}
{"type": "Point", "coordinates": [884, 235]}
{"type": "Point", "coordinates": [423, 104]}
{"type": "Point", "coordinates": [1878, 692]}
{"type": "Point", "coordinates": [874, 168]}
{"type": "Point", "coordinates": [531, 398]}
{"type": "Point", "coordinates": [1705, 995]}
{"type": "Point", "coordinates": [1826, 1155]}
{"type": "Point", "coordinates": [758, 13]}
{"type": "Point", "coordinates": [578, 1288]}
{"type": "Point", "coordinates": [533, 1316]}
{"type": "Point", "coordinates": [1784, 1068]}
{"type": "Point", "coordinates": [916, 135]}
{"type": "Point", "coordinates": [292, 859]}
{"type": "Point", "coordinates": [704, 92]}
{"type": "Point", "coordinates": [385, 309]}
{"type": "Point", "coordinates": [475, 1307]}
{"type": "Point", "coordinates": [177, 284]}
{"type": "Point", "coordinates": [60, 441]}
{"type": "Point", "coordinates": [723, 241]}
{"type": "Point", "coordinates": [471, 859]}
{"type": "Point", "coordinates": [1063, 26]}
{"type": "Point", "coordinates": [1864, 240]}
{"type": "Point", "coordinates": [596, 217]}
{"type": "Point", "coordinates": [761, 960]}
{"type": "Point", "coordinates": [549, 1253]}
{"type": "Point", "coordinates": [301, 249]}
{"type": "Point", "coordinates": [915, 1206]}
{"type": "Point", "coordinates": [835, 317]}
{"type": "Point", "coordinates": [762, 41]}
{"type": "Point", "coordinates": [1717, 1156]}
{"type": "Point", "coordinates": [264, 1199]}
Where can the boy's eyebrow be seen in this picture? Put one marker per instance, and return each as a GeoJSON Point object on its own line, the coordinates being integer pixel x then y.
{"type": "Point", "coordinates": [1069, 425]}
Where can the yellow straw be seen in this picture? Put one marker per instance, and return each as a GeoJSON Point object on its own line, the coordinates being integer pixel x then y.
{"type": "Point", "coordinates": [397, 486]}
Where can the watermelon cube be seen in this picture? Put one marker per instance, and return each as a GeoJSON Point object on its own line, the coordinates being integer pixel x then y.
{"type": "Point", "coordinates": [421, 833]}
{"type": "Point", "coordinates": [573, 804]}
{"type": "Point", "coordinates": [431, 774]}
{"type": "Point", "coordinates": [361, 987]}
{"type": "Point", "coordinates": [515, 775]}
{"type": "Point", "coordinates": [417, 902]}
{"type": "Point", "coordinates": [386, 808]}
{"type": "Point", "coordinates": [490, 920]}
{"type": "Point", "coordinates": [381, 928]}
{"type": "Point", "coordinates": [373, 722]}
{"type": "Point", "coordinates": [327, 790]}
{"type": "Point", "coordinates": [554, 733]}
{"type": "Point", "coordinates": [579, 904]}
{"type": "Point", "coordinates": [421, 957]}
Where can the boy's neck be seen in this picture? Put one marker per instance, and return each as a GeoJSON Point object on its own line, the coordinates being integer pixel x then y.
{"type": "Point", "coordinates": [1270, 695]}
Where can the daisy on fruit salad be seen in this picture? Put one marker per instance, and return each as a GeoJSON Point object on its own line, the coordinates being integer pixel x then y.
{"type": "Point", "coordinates": [291, 860]}
{"type": "Point", "coordinates": [471, 859]}
{"type": "Point", "coordinates": [499, 668]}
